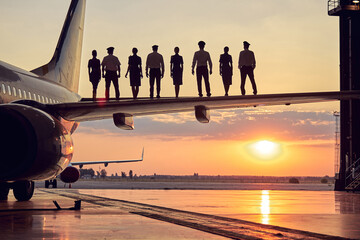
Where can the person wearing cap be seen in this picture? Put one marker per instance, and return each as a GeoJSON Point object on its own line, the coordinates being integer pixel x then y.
{"type": "Point", "coordinates": [201, 60]}
{"type": "Point", "coordinates": [111, 65]}
{"type": "Point", "coordinates": [247, 65]}
{"type": "Point", "coordinates": [155, 63]}
{"type": "Point", "coordinates": [94, 72]}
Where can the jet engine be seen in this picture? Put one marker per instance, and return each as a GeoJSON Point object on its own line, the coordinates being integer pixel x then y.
{"type": "Point", "coordinates": [34, 145]}
{"type": "Point", "coordinates": [70, 175]}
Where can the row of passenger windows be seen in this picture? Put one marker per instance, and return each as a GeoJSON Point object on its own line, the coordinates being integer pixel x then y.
{"type": "Point", "coordinates": [12, 91]}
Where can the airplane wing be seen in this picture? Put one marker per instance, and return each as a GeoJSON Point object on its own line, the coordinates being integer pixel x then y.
{"type": "Point", "coordinates": [123, 110]}
{"type": "Point", "coordinates": [81, 164]}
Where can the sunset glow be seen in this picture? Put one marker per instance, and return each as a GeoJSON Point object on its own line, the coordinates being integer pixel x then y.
{"type": "Point", "coordinates": [265, 149]}
{"type": "Point", "coordinates": [275, 140]}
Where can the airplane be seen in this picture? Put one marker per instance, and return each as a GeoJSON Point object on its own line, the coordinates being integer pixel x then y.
{"type": "Point", "coordinates": [71, 174]}
{"type": "Point", "coordinates": [41, 109]}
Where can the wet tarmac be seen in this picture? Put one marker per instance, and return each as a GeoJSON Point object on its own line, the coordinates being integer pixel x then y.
{"type": "Point", "coordinates": [39, 219]}
{"type": "Point", "coordinates": [320, 211]}
{"type": "Point", "coordinates": [108, 218]}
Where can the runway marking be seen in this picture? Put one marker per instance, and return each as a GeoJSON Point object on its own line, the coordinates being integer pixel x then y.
{"type": "Point", "coordinates": [226, 227]}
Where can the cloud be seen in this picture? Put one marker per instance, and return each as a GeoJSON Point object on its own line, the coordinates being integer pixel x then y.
{"type": "Point", "coordinates": [313, 122]}
{"type": "Point", "coordinates": [181, 118]}
{"type": "Point", "coordinates": [226, 125]}
{"type": "Point", "coordinates": [173, 118]}
{"type": "Point", "coordinates": [261, 111]}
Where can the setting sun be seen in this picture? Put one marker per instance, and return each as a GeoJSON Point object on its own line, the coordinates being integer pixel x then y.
{"type": "Point", "coordinates": [265, 149]}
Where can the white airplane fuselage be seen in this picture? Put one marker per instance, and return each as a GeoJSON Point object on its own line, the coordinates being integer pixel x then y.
{"type": "Point", "coordinates": [18, 84]}
{"type": "Point", "coordinates": [22, 90]}
{"type": "Point", "coordinates": [36, 141]}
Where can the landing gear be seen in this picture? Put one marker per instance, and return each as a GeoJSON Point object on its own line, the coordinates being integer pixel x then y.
{"type": "Point", "coordinates": [51, 182]}
{"type": "Point", "coordinates": [4, 191]}
{"type": "Point", "coordinates": [23, 190]}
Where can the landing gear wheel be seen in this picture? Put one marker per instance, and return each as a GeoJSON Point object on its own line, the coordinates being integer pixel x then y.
{"type": "Point", "coordinates": [52, 183]}
{"type": "Point", "coordinates": [4, 191]}
{"type": "Point", "coordinates": [23, 190]}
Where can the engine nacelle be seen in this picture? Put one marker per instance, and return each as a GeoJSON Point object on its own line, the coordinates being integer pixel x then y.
{"type": "Point", "coordinates": [33, 144]}
{"type": "Point", "coordinates": [70, 175]}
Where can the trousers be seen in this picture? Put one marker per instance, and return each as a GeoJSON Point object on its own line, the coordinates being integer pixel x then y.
{"type": "Point", "coordinates": [155, 75]}
{"type": "Point", "coordinates": [111, 76]}
{"type": "Point", "coordinates": [202, 72]}
{"type": "Point", "coordinates": [247, 71]}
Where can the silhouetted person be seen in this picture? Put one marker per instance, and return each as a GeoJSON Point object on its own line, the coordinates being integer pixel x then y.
{"type": "Point", "coordinates": [176, 67]}
{"type": "Point", "coordinates": [111, 65]}
{"type": "Point", "coordinates": [135, 70]}
{"type": "Point", "coordinates": [155, 63]}
{"type": "Point", "coordinates": [226, 69]}
{"type": "Point", "coordinates": [94, 72]}
{"type": "Point", "coordinates": [247, 65]}
{"type": "Point", "coordinates": [201, 60]}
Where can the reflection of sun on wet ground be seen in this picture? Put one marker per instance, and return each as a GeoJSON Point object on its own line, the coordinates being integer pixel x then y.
{"type": "Point", "coordinates": [264, 149]}
{"type": "Point", "coordinates": [265, 206]}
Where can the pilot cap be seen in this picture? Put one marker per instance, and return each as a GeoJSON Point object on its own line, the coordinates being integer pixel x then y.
{"type": "Point", "coordinates": [246, 43]}
{"type": "Point", "coordinates": [110, 49]}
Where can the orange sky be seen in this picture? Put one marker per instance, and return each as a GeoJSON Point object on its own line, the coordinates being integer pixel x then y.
{"type": "Point", "coordinates": [296, 47]}
{"type": "Point", "coordinates": [183, 146]}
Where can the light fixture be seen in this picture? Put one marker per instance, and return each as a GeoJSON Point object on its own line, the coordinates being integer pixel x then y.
{"type": "Point", "coordinates": [355, 1]}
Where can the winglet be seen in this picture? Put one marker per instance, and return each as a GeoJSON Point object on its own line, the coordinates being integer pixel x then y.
{"type": "Point", "coordinates": [142, 155]}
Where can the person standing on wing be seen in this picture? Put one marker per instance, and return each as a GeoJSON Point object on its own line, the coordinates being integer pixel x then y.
{"type": "Point", "coordinates": [155, 62]}
{"type": "Point", "coordinates": [135, 70]}
{"type": "Point", "coordinates": [176, 68]}
{"type": "Point", "coordinates": [201, 60]}
{"type": "Point", "coordinates": [94, 72]}
{"type": "Point", "coordinates": [247, 65]}
{"type": "Point", "coordinates": [226, 69]}
{"type": "Point", "coordinates": [111, 65]}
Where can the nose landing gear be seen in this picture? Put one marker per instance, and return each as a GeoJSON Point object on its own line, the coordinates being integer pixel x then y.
{"type": "Point", "coordinates": [51, 182]}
